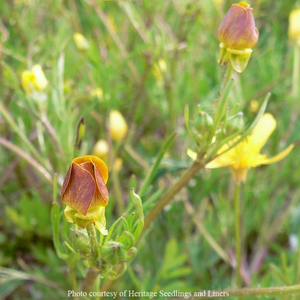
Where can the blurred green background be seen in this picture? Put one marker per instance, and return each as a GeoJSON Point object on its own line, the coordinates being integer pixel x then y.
{"type": "Point", "coordinates": [150, 58]}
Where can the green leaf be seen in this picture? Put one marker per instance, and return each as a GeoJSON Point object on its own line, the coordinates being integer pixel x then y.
{"type": "Point", "coordinates": [155, 166]}
{"type": "Point", "coordinates": [55, 216]}
{"type": "Point", "coordinates": [137, 204]}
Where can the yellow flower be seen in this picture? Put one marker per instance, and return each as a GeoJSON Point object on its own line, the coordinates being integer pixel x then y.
{"type": "Point", "coordinates": [117, 125]}
{"type": "Point", "coordinates": [101, 149]}
{"type": "Point", "coordinates": [85, 193]}
{"type": "Point", "coordinates": [238, 35]}
{"type": "Point", "coordinates": [246, 154]}
{"type": "Point", "coordinates": [81, 42]}
{"type": "Point", "coordinates": [294, 25]}
{"type": "Point", "coordinates": [34, 79]}
{"type": "Point", "coordinates": [97, 92]}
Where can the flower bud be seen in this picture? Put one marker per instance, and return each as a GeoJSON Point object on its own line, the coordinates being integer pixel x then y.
{"type": "Point", "coordinates": [81, 243]}
{"type": "Point", "coordinates": [117, 125]}
{"type": "Point", "coordinates": [237, 30]}
{"type": "Point", "coordinates": [101, 149]}
{"type": "Point", "coordinates": [85, 193]}
{"type": "Point", "coordinates": [34, 79]}
{"type": "Point", "coordinates": [202, 125]}
{"type": "Point", "coordinates": [113, 253]}
{"type": "Point", "coordinates": [294, 25]}
{"type": "Point", "coordinates": [81, 42]}
{"type": "Point", "coordinates": [238, 35]}
{"type": "Point", "coordinates": [235, 124]}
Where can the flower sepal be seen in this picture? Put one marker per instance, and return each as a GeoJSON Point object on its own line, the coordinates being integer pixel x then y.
{"type": "Point", "coordinates": [239, 58]}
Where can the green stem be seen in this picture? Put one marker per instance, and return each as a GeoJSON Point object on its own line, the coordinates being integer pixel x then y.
{"type": "Point", "coordinates": [93, 241]}
{"type": "Point", "coordinates": [295, 87]}
{"type": "Point", "coordinates": [171, 192]}
{"type": "Point", "coordinates": [212, 242]}
{"type": "Point", "coordinates": [90, 280]}
{"type": "Point", "coordinates": [21, 134]}
{"type": "Point", "coordinates": [285, 290]}
{"type": "Point", "coordinates": [237, 233]}
{"type": "Point", "coordinates": [227, 77]}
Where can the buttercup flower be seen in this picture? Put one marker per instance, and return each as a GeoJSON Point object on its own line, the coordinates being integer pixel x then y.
{"type": "Point", "coordinates": [34, 79]}
{"type": "Point", "coordinates": [117, 125]}
{"type": "Point", "coordinates": [246, 154]}
{"type": "Point", "coordinates": [294, 25]}
{"type": "Point", "coordinates": [85, 193]}
{"type": "Point", "coordinates": [81, 42]}
{"type": "Point", "coordinates": [238, 35]}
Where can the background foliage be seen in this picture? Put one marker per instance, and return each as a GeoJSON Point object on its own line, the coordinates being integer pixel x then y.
{"type": "Point", "coordinates": [150, 58]}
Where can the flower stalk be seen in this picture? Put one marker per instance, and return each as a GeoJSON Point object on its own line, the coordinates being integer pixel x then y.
{"type": "Point", "coordinates": [296, 67]}
{"type": "Point", "coordinates": [237, 234]}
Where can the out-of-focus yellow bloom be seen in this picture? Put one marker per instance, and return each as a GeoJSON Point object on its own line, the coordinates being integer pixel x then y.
{"type": "Point", "coordinates": [294, 25]}
{"type": "Point", "coordinates": [85, 193]}
{"type": "Point", "coordinates": [97, 92]}
{"type": "Point", "coordinates": [117, 125]}
{"type": "Point", "coordinates": [159, 69]}
{"type": "Point", "coordinates": [111, 21]}
{"type": "Point", "coordinates": [238, 35]}
{"type": "Point", "coordinates": [246, 154]}
{"type": "Point", "coordinates": [254, 106]}
{"type": "Point", "coordinates": [34, 79]}
{"type": "Point", "coordinates": [81, 42]}
{"type": "Point", "coordinates": [118, 164]}
{"type": "Point", "coordinates": [101, 149]}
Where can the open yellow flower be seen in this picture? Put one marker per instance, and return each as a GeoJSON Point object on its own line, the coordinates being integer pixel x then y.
{"type": "Point", "coordinates": [246, 154]}
{"type": "Point", "coordinates": [85, 193]}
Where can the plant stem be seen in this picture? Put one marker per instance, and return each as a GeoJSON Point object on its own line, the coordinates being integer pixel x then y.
{"type": "Point", "coordinates": [237, 233]}
{"type": "Point", "coordinates": [93, 241]}
{"type": "Point", "coordinates": [90, 280]}
{"type": "Point", "coordinates": [212, 242]}
{"type": "Point", "coordinates": [295, 86]}
{"type": "Point", "coordinates": [171, 192]}
{"type": "Point", "coordinates": [227, 77]}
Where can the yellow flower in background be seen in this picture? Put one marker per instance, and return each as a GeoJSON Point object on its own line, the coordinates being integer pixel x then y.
{"type": "Point", "coordinates": [85, 193]}
{"type": "Point", "coordinates": [294, 25]}
{"type": "Point", "coordinates": [246, 154]}
{"type": "Point", "coordinates": [159, 69]}
{"type": "Point", "coordinates": [254, 106]}
{"type": "Point", "coordinates": [238, 35]}
{"type": "Point", "coordinates": [101, 149]}
{"type": "Point", "coordinates": [81, 42]}
{"type": "Point", "coordinates": [97, 92]}
{"type": "Point", "coordinates": [34, 79]}
{"type": "Point", "coordinates": [117, 125]}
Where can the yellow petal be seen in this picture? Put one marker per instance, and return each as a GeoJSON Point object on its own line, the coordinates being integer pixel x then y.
{"type": "Point", "coordinates": [27, 77]}
{"type": "Point", "coordinates": [192, 154]}
{"type": "Point", "coordinates": [278, 157]}
{"type": "Point", "coordinates": [101, 223]}
{"type": "Point", "coordinates": [40, 82]}
{"type": "Point", "coordinates": [262, 132]}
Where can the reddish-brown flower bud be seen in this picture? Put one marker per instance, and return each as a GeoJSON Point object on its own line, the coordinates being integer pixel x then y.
{"type": "Point", "coordinates": [237, 30]}
{"type": "Point", "coordinates": [85, 193]}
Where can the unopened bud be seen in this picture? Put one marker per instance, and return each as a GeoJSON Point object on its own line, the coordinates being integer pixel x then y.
{"type": "Point", "coordinates": [101, 149]}
{"type": "Point", "coordinates": [202, 125]}
{"type": "Point", "coordinates": [235, 124]}
{"type": "Point", "coordinates": [113, 253]}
